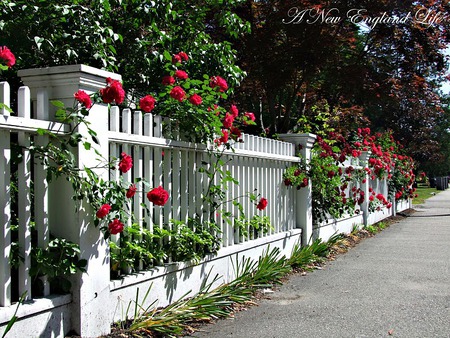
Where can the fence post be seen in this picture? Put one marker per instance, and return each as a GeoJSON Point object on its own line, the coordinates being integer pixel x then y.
{"type": "Point", "coordinates": [363, 162]}
{"type": "Point", "coordinates": [90, 290]}
{"type": "Point", "coordinates": [303, 198]}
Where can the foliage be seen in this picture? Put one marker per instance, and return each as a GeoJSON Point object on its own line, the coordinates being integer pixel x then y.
{"type": "Point", "coordinates": [337, 170]}
{"type": "Point", "coordinates": [177, 242]}
{"type": "Point", "coordinates": [215, 303]}
{"type": "Point", "coordinates": [388, 75]}
{"type": "Point", "coordinates": [219, 302]}
{"type": "Point", "coordinates": [58, 261]}
{"type": "Point", "coordinates": [304, 256]}
{"type": "Point", "coordinates": [128, 37]}
{"type": "Point", "coordinates": [254, 226]}
{"type": "Point", "coordinates": [192, 241]}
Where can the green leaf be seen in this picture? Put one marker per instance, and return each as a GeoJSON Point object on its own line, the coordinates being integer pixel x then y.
{"type": "Point", "coordinates": [167, 56]}
{"type": "Point", "coordinates": [57, 103]}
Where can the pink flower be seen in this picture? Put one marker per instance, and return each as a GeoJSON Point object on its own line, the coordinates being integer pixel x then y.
{"type": "Point", "coordinates": [113, 92]}
{"type": "Point", "coordinates": [181, 74]}
{"type": "Point", "coordinates": [82, 97]}
{"type": "Point", "coordinates": [217, 81]}
{"type": "Point", "coordinates": [234, 111]}
{"type": "Point", "coordinates": [126, 162]}
{"type": "Point", "coordinates": [178, 93]}
{"type": "Point", "coordinates": [7, 56]}
{"type": "Point", "coordinates": [131, 191]}
{"type": "Point", "coordinates": [158, 196]}
{"type": "Point", "coordinates": [103, 211]}
{"type": "Point", "coordinates": [262, 204]}
{"type": "Point", "coordinates": [147, 103]}
{"type": "Point", "coordinates": [168, 80]}
{"type": "Point", "coordinates": [115, 227]}
{"type": "Point", "coordinates": [196, 100]}
{"type": "Point", "coordinates": [228, 121]}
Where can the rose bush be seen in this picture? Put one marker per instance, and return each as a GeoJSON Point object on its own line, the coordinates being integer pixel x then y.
{"type": "Point", "coordinates": [335, 185]}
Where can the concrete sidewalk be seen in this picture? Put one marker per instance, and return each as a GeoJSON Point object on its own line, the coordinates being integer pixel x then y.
{"type": "Point", "coordinates": [395, 284]}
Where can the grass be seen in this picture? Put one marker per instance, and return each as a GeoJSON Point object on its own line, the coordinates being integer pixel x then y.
{"type": "Point", "coordinates": [423, 193]}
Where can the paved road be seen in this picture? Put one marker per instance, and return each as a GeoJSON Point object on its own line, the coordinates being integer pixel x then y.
{"type": "Point", "coordinates": [396, 284]}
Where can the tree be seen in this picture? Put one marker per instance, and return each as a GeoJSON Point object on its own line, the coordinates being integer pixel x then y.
{"type": "Point", "coordinates": [388, 73]}
{"type": "Point", "coordinates": [125, 36]}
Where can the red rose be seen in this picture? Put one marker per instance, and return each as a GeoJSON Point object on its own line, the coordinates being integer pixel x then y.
{"type": "Point", "coordinates": [380, 197]}
{"type": "Point", "coordinates": [183, 56]}
{"type": "Point", "coordinates": [178, 93]}
{"type": "Point", "coordinates": [196, 100]}
{"type": "Point", "coordinates": [262, 204]}
{"type": "Point", "coordinates": [331, 174]}
{"type": "Point", "coordinates": [103, 211]}
{"type": "Point", "coordinates": [115, 227]}
{"type": "Point", "coordinates": [223, 139]}
{"type": "Point", "coordinates": [371, 198]}
{"type": "Point", "coordinates": [217, 81]}
{"type": "Point", "coordinates": [234, 111]}
{"type": "Point", "coordinates": [228, 121]}
{"type": "Point", "coordinates": [181, 74]}
{"type": "Point", "coordinates": [147, 103]}
{"type": "Point", "coordinates": [113, 92]}
{"type": "Point", "coordinates": [158, 196]}
{"type": "Point", "coordinates": [168, 80]}
{"type": "Point", "coordinates": [249, 116]}
{"type": "Point", "coordinates": [131, 190]}
{"type": "Point", "coordinates": [236, 131]}
{"type": "Point", "coordinates": [7, 56]}
{"type": "Point", "coordinates": [176, 59]}
{"type": "Point", "coordinates": [304, 182]}
{"type": "Point", "coordinates": [126, 162]}
{"type": "Point", "coordinates": [355, 153]}
{"type": "Point", "coordinates": [82, 97]}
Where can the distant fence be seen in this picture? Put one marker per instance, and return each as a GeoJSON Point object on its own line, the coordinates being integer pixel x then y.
{"type": "Point", "coordinates": [96, 301]}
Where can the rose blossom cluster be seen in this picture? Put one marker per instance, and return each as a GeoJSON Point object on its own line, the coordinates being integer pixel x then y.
{"type": "Point", "coordinates": [158, 196]}
{"type": "Point", "coordinates": [113, 93]}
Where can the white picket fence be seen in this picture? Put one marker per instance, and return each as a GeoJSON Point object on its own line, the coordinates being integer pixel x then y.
{"type": "Point", "coordinates": [257, 164]}
{"type": "Point", "coordinates": [96, 301]}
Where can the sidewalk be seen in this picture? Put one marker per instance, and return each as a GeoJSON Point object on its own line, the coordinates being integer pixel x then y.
{"type": "Point", "coordinates": [394, 284]}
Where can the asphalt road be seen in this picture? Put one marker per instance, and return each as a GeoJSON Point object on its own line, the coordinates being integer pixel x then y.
{"type": "Point", "coordinates": [396, 284]}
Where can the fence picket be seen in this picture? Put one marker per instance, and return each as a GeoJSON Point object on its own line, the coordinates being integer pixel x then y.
{"type": "Point", "coordinates": [41, 209]}
{"type": "Point", "coordinates": [148, 171]}
{"type": "Point", "coordinates": [5, 224]}
{"type": "Point", "coordinates": [158, 168]}
{"type": "Point", "coordinates": [24, 196]}
{"type": "Point", "coordinates": [184, 186]}
{"type": "Point", "coordinates": [5, 93]}
{"type": "Point", "coordinates": [138, 170]}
